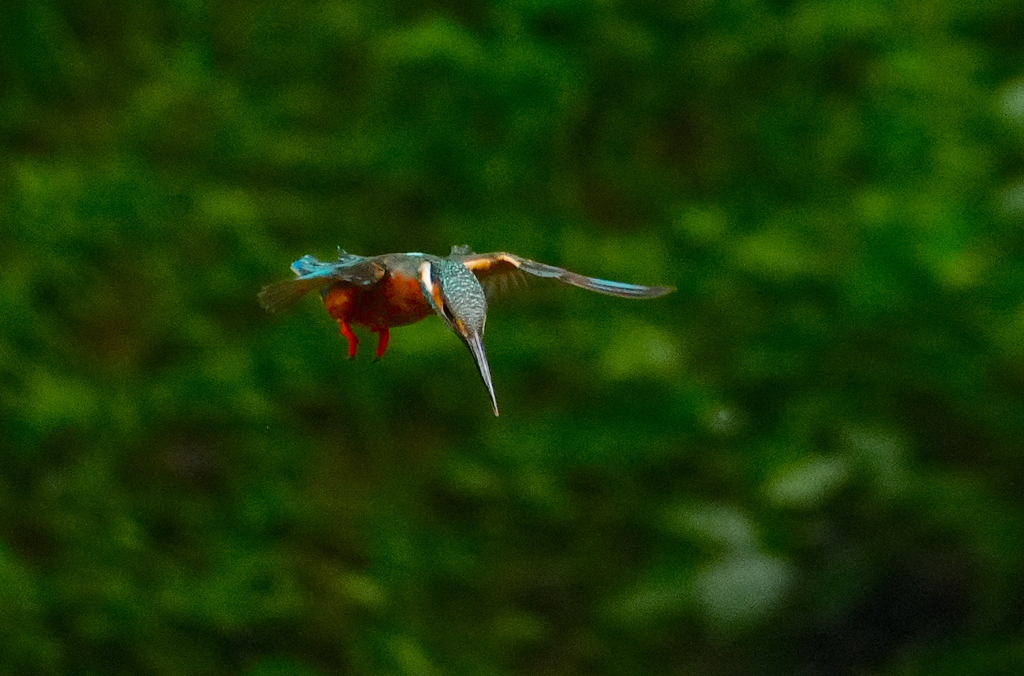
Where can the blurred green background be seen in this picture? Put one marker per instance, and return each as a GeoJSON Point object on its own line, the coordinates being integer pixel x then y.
{"type": "Point", "coordinates": [808, 460]}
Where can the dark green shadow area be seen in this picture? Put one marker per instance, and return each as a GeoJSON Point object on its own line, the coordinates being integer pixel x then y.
{"type": "Point", "coordinates": [807, 460]}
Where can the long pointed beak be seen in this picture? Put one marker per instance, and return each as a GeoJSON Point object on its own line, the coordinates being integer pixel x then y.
{"type": "Point", "coordinates": [475, 343]}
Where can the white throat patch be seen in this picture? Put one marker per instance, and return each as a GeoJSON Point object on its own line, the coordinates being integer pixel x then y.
{"type": "Point", "coordinates": [425, 278]}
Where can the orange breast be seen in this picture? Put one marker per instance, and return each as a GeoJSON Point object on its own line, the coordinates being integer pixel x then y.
{"type": "Point", "coordinates": [393, 301]}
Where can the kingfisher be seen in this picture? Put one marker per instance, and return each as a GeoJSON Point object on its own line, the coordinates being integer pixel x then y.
{"type": "Point", "coordinates": [397, 289]}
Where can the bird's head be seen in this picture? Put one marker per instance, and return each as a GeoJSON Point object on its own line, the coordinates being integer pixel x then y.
{"type": "Point", "coordinates": [457, 297]}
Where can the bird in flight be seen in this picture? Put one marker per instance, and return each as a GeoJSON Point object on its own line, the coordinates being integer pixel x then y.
{"type": "Point", "coordinates": [397, 289]}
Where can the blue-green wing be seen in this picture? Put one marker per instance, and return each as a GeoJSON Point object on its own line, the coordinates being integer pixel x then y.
{"type": "Point", "coordinates": [312, 273]}
{"type": "Point", "coordinates": [490, 265]}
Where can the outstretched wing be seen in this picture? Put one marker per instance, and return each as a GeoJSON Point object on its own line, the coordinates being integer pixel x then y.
{"type": "Point", "coordinates": [489, 265]}
{"type": "Point", "coordinates": [312, 273]}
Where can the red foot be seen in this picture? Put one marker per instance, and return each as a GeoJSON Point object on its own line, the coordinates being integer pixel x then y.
{"type": "Point", "coordinates": [353, 342]}
{"type": "Point", "coordinates": [383, 336]}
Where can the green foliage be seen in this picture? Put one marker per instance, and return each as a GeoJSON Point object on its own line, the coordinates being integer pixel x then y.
{"type": "Point", "coordinates": [806, 460]}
